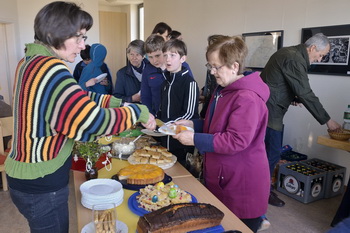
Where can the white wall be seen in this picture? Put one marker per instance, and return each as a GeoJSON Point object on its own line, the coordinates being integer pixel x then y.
{"type": "Point", "coordinates": [197, 19]}
{"type": "Point", "coordinates": [27, 11]}
{"type": "Point", "coordinates": [8, 47]}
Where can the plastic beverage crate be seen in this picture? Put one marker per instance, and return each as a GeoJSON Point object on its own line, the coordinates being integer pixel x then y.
{"type": "Point", "coordinates": [334, 178]}
{"type": "Point", "coordinates": [301, 182]}
{"type": "Point", "coordinates": [292, 156]}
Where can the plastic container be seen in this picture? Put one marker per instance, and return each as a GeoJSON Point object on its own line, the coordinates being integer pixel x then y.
{"type": "Point", "coordinates": [301, 182]}
{"type": "Point", "coordinates": [334, 178]}
{"type": "Point", "coordinates": [346, 124]}
{"type": "Point", "coordinates": [292, 156]}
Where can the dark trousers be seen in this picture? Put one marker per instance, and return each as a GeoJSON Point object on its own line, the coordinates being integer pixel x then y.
{"type": "Point", "coordinates": [45, 212]}
{"type": "Point", "coordinates": [273, 144]}
{"type": "Point", "coordinates": [343, 211]}
{"type": "Point", "coordinates": [252, 223]}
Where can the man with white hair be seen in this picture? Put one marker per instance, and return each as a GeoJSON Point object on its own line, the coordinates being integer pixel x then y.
{"type": "Point", "coordinates": [286, 75]}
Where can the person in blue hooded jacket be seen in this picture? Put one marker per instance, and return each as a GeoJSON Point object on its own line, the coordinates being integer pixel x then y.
{"type": "Point", "coordinates": [88, 79]}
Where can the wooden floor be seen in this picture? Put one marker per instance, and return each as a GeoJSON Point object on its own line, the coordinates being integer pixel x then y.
{"type": "Point", "coordinates": [294, 217]}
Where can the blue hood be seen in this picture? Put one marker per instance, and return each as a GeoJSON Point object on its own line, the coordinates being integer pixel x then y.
{"type": "Point", "coordinates": [98, 54]}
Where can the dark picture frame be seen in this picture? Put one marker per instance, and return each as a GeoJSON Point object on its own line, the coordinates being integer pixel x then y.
{"type": "Point", "coordinates": [261, 45]}
{"type": "Point", "coordinates": [336, 62]}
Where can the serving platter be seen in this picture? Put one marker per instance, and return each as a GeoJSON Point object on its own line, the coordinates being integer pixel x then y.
{"type": "Point", "coordinates": [167, 179]}
{"type": "Point", "coordinates": [136, 209]}
{"type": "Point", "coordinates": [131, 160]}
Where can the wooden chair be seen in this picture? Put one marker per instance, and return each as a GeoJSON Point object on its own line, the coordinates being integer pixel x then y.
{"type": "Point", "coordinates": [6, 128]}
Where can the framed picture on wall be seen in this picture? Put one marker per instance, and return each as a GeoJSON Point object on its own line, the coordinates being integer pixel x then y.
{"type": "Point", "coordinates": [261, 45]}
{"type": "Point", "coordinates": [336, 62]}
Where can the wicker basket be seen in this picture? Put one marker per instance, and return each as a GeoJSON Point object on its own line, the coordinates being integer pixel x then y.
{"type": "Point", "coordinates": [342, 135]}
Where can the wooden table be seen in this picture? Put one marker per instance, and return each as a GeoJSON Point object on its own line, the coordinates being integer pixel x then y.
{"type": "Point", "coordinates": [343, 210]}
{"type": "Point", "coordinates": [180, 177]}
{"type": "Point", "coordinates": [327, 141]}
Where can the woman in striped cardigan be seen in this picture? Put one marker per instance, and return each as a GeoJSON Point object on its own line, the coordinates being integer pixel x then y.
{"type": "Point", "coordinates": [51, 111]}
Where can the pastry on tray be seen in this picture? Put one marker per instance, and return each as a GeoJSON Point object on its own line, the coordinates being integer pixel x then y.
{"type": "Point", "coordinates": [156, 155]}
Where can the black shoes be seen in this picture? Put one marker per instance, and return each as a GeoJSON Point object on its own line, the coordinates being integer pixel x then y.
{"type": "Point", "coordinates": [274, 200]}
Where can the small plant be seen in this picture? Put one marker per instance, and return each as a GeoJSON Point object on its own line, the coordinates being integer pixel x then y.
{"type": "Point", "coordinates": [88, 150]}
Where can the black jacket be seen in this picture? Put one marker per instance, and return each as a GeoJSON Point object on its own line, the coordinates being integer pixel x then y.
{"type": "Point", "coordinates": [286, 75]}
{"type": "Point", "coordinates": [179, 96]}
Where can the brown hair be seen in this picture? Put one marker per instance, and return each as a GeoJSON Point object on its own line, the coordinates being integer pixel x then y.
{"type": "Point", "coordinates": [58, 21]}
{"type": "Point", "coordinates": [154, 43]}
{"type": "Point", "coordinates": [231, 50]}
{"type": "Point", "coordinates": [175, 45]}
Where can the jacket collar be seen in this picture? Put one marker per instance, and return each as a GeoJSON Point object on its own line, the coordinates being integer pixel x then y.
{"type": "Point", "coordinates": [302, 49]}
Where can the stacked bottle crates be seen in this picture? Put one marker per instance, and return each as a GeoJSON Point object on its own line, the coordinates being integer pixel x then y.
{"type": "Point", "coordinates": [301, 181]}
{"type": "Point", "coordinates": [334, 178]}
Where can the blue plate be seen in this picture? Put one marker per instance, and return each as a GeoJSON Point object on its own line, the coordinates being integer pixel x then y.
{"type": "Point", "coordinates": [216, 229]}
{"type": "Point", "coordinates": [134, 205]}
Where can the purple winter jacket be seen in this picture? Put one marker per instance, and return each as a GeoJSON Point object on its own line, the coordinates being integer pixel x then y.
{"type": "Point", "coordinates": [236, 168]}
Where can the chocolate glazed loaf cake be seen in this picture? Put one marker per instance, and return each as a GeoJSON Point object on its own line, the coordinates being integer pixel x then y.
{"type": "Point", "coordinates": [180, 218]}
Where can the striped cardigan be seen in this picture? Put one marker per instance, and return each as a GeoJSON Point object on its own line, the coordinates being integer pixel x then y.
{"type": "Point", "coordinates": [51, 111]}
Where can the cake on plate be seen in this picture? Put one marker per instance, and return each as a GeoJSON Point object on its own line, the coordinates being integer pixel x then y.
{"type": "Point", "coordinates": [141, 174]}
{"type": "Point", "coordinates": [178, 218]}
{"type": "Point", "coordinates": [154, 197]}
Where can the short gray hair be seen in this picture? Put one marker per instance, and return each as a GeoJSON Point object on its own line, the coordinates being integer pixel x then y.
{"type": "Point", "coordinates": [138, 46]}
{"type": "Point", "coordinates": [319, 40]}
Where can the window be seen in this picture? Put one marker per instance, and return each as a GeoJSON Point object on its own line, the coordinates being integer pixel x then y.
{"type": "Point", "coordinates": [141, 21]}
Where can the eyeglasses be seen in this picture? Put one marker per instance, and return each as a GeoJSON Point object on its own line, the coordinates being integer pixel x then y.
{"type": "Point", "coordinates": [212, 68]}
{"type": "Point", "coordinates": [80, 38]}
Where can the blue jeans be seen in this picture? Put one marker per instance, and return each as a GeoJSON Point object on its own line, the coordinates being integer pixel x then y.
{"type": "Point", "coordinates": [273, 144]}
{"type": "Point", "coordinates": [45, 212]}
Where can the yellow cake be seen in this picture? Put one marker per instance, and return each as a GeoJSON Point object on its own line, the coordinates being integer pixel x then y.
{"type": "Point", "coordinates": [141, 174]}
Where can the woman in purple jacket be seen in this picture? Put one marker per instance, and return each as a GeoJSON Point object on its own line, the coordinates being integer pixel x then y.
{"type": "Point", "coordinates": [232, 134]}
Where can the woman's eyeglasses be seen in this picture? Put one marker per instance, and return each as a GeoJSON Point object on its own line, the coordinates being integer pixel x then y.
{"type": "Point", "coordinates": [212, 68]}
{"type": "Point", "coordinates": [80, 38]}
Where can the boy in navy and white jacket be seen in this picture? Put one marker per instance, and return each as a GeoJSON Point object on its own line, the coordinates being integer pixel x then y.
{"type": "Point", "coordinates": [179, 95]}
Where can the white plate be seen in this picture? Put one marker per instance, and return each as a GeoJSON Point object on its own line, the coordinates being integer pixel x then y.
{"type": "Point", "coordinates": [103, 199]}
{"type": "Point", "coordinates": [90, 228]}
{"type": "Point", "coordinates": [171, 129]}
{"type": "Point", "coordinates": [101, 77]}
{"type": "Point", "coordinates": [101, 187]}
{"type": "Point", "coordinates": [152, 133]}
{"type": "Point", "coordinates": [131, 160]}
{"type": "Point", "coordinates": [102, 205]}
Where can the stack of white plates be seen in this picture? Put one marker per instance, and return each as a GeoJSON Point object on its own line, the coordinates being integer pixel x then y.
{"type": "Point", "coordinates": [101, 192]}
